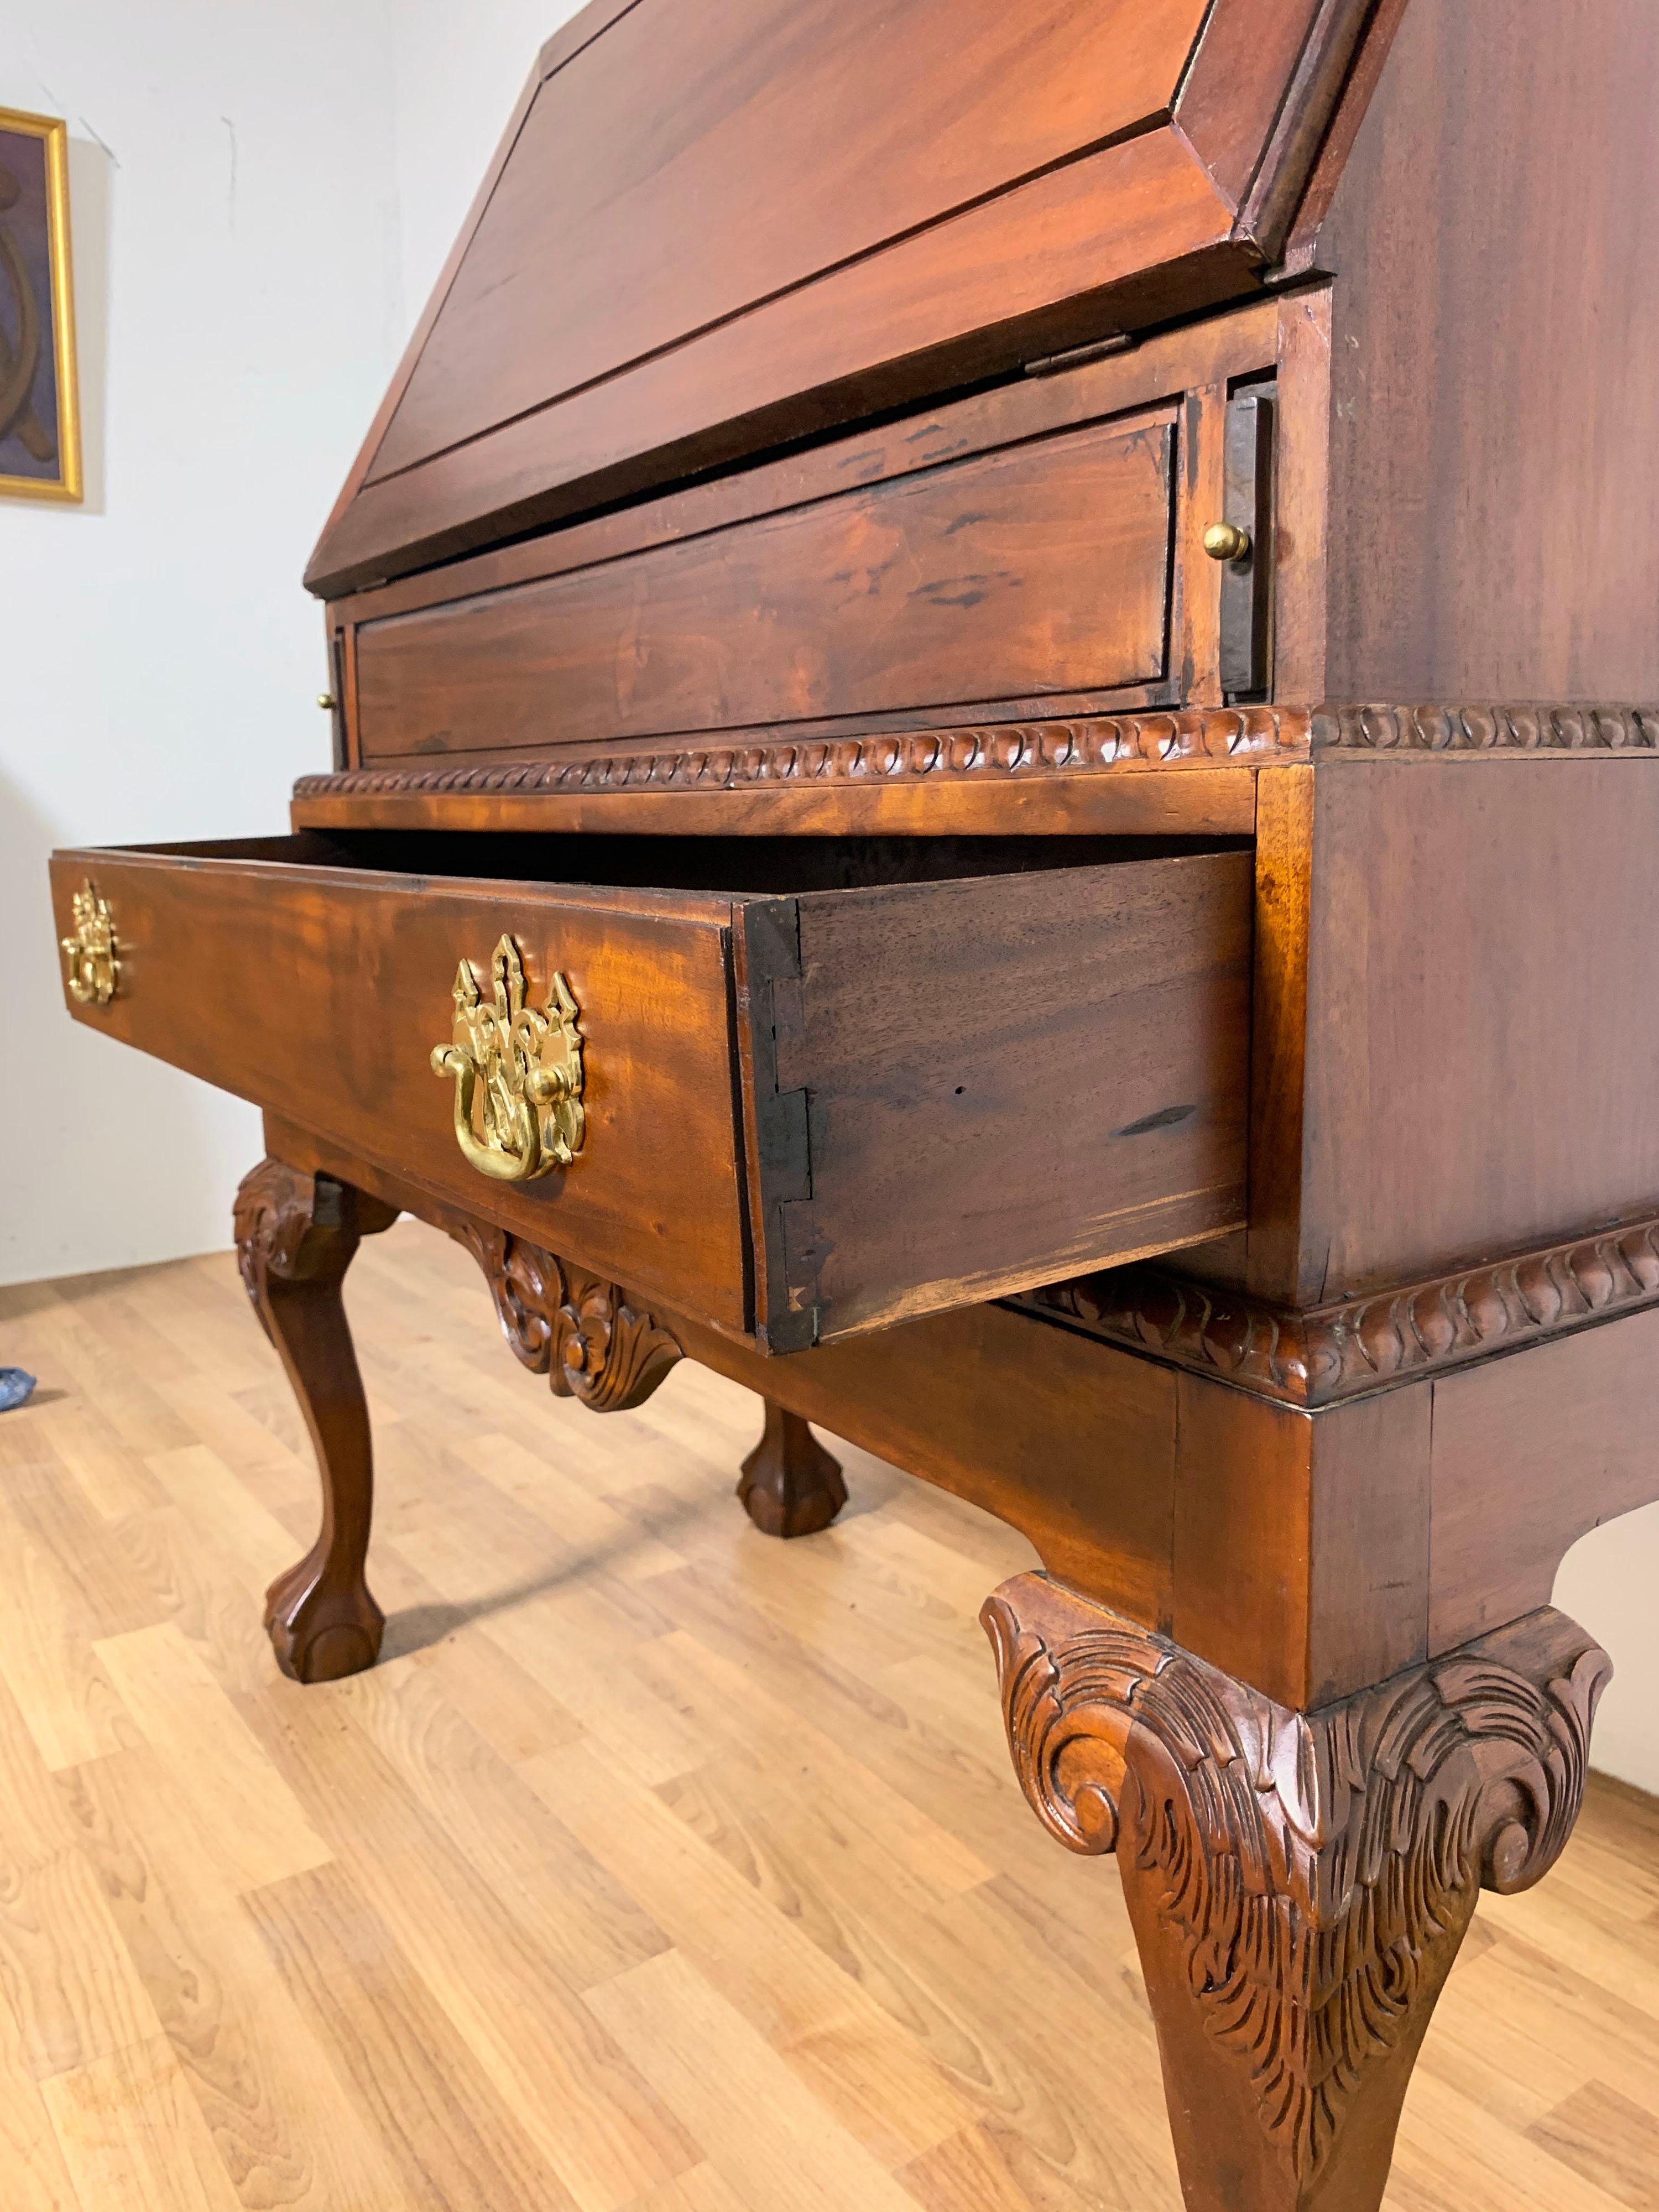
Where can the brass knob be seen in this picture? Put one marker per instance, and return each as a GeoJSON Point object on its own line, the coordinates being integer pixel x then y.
{"type": "Point", "coordinates": [1225, 541]}
{"type": "Point", "coordinates": [327, 702]}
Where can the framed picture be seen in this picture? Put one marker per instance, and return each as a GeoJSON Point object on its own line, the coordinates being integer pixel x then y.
{"type": "Point", "coordinates": [39, 424]}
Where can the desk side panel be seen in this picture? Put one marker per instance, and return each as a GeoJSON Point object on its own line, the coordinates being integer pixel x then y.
{"type": "Point", "coordinates": [1482, 1053]}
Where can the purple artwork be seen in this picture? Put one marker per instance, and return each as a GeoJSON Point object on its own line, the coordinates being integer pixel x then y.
{"type": "Point", "coordinates": [31, 405]}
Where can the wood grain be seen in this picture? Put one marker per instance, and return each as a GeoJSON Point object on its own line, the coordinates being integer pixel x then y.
{"type": "Point", "coordinates": [798, 568]}
{"type": "Point", "coordinates": [1042, 569]}
{"type": "Point", "coordinates": [1234, 84]}
{"type": "Point", "coordinates": [1450, 1040]}
{"type": "Point", "coordinates": [130, 2133]}
{"type": "Point", "coordinates": [827, 296]}
{"type": "Point", "coordinates": [1302, 507]}
{"type": "Point", "coordinates": [244, 2054]}
{"type": "Point", "coordinates": [1071, 1443]}
{"type": "Point", "coordinates": [1235, 342]}
{"type": "Point", "coordinates": [1484, 548]}
{"type": "Point", "coordinates": [1198, 801]}
{"type": "Point", "coordinates": [354, 1055]}
{"type": "Point", "coordinates": [569, 603]}
{"type": "Point", "coordinates": [1529, 1454]}
{"type": "Point", "coordinates": [284, 2050]}
{"type": "Point", "coordinates": [537, 310]}
{"type": "Point", "coordinates": [926, 971]}
{"type": "Point", "coordinates": [1313, 1357]}
{"type": "Point", "coordinates": [1274, 1256]}
{"type": "Point", "coordinates": [1189, 771]}
{"type": "Point", "coordinates": [1292, 1548]}
{"type": "Point", "coordinates": [1120, 1000]}
{"type": "Point", "coordinates": [640, 1829]}
{"type": "Point", "coordinates": [294, 1240]}
{"type": "Point", "coordinates": [250, 1825]}
{"type": "Point", "coordinates": [1130, 235]}
{"type": "Point", "coordinates": [709, 2066]}
{"type": "Point", "coordinates": [1197, 654]}
{"type": "Point", "coordinates": [1302, 1544]}
{"type": "Point", "coordinates": [1422, 1045]}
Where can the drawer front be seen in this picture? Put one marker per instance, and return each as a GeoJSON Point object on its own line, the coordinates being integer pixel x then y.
{"type": "Point", "coordinates": [1043, 570]}
{"type": "Point", "coordinates": [804, 1115]}
{"type": "Point", "coordinates": [319, 994]}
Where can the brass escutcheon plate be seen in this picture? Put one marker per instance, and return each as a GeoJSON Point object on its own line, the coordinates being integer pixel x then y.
{"type": "Point", "coordinates": [517, 1071]}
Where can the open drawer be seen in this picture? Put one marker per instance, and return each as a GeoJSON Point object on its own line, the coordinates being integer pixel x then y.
{"type": "Point", "coordinates": [796, 1088]}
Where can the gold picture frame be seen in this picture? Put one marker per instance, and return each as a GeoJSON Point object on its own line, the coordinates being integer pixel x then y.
{"type": "Point", "coordinates": [39, 406]}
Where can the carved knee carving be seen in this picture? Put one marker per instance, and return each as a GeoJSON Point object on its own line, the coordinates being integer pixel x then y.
{"type": "Point", "coordinates": [295, 1236]}
{"type": "Point", "coordinates": [1299, 1883]}
{"type": "Point", "coordinates": [790, 1486]}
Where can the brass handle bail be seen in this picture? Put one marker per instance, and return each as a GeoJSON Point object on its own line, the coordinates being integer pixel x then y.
{"type": "Point", "coordinates": [90, 950]}
{"type": "Point", "coordinates": [517, 1071]}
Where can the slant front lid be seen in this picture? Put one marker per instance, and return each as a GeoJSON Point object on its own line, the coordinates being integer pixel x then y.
{"type": "Point", "coordinates": [716, 224]}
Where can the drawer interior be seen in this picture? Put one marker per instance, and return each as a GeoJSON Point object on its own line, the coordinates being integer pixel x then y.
{"type": "Point", "coordinates": [735, 867]}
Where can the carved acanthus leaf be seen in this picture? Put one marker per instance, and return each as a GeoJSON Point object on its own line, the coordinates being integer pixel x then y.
{"type": "Point", "coordinates": [299, 1227]}
{"type": "Point", "coordinates": [574, 1328]}
{"type": "Point", "coordinates": [610, 1354]}
{"type": "Point", "coordinates": [1319, 1867]}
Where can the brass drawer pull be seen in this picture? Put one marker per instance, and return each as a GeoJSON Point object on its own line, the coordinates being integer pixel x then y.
{"type": "Point", "coordinates": [518, 1073]}
{"type": "Point", "coordinates": [94, 970]}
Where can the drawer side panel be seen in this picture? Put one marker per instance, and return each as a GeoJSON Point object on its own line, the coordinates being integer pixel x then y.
{"type": "Point", "coordinates": [1011, 1080]}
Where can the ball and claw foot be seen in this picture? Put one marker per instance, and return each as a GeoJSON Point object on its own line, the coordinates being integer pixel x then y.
{"type": "Point", "coordinates": [321, 1631]}
{"type": "Point", "coordinates": [790, 1486]}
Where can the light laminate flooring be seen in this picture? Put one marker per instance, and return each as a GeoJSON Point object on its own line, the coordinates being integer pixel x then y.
{"type": "Point", "coordinates": [658, 1866]}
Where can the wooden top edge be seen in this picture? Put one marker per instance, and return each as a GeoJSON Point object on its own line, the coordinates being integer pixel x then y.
{"type": "Point", "coordinates": [1207, 802]}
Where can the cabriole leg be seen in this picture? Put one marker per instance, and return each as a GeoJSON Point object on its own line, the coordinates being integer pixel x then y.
{"type": "Point", "coordinates": [296, 1236]}
{"type": "Point", "coordinates": [790, 1486]}
{"type": "Point", "coordinates": [1298, 1883]}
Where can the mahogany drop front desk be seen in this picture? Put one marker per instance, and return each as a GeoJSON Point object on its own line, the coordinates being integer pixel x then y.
{"type": "Point", "coordinates": [858, 852]}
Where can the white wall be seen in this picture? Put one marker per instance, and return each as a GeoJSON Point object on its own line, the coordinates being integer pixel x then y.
{"type": "Point", "coordinates": [261, 201]}
{"type": "Point", "coordinates": [456, 73]}
{"type": "Point", "coordinates": [1606, 1584]}
{"type": "Point", "coordinates": [235, 238]}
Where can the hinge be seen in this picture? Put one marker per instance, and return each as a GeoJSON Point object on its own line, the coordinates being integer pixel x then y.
{"type": "Point", "coordinates": [1051, 364]}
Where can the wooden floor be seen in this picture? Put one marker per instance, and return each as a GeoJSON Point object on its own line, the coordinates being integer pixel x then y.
{"type": "Point", "coordinates": [660, 1866]}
